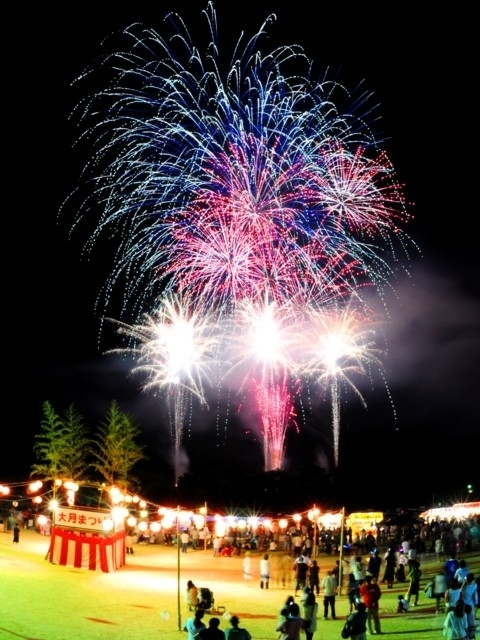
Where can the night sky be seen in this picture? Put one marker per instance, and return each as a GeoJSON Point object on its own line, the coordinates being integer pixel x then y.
{"type": "Point", "coordinates": [424, 449]}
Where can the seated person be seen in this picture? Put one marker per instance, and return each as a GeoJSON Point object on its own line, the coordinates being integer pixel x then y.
{"type": "Point", "coordinates": [403, 605]}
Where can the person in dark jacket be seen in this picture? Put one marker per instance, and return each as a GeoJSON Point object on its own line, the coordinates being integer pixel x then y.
{"type": "Point", "coordinates": [357, 622]}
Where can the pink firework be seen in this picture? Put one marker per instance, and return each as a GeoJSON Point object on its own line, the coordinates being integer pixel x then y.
{"type": "Point", "coordinates": [359, 195]}
{"type": "Point", "coordinates": [275, 403]}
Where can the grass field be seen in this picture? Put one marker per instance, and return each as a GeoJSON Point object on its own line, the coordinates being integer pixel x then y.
{"type": "Point", "coordinates": [145, 599]}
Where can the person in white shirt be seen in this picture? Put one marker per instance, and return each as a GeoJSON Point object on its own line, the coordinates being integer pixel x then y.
{"type": "Point", "coordinates": [456, 623]}
{"type": "Point", "coordinates": [462, 572]}
{"type": "Point", "coordinates": [329, 586]}
{"type": "Point", "coordinates": [469, 592]}
{"type": "Point", "coordinates": [265, 571]}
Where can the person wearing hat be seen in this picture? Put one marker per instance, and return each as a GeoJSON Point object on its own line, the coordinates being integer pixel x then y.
{"type": "Point", "coordinates": [235, 632]}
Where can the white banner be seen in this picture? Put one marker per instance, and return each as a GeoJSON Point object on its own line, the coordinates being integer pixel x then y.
{"type": "Point", "coordinates": [85, 519]}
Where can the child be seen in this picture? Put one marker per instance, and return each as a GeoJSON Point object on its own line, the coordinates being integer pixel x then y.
{"type": "Point", "coordinates": [402, 605]}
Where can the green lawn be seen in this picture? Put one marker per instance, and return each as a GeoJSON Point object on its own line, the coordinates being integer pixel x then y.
{"type": "Point", "coordinates": [144, 600]}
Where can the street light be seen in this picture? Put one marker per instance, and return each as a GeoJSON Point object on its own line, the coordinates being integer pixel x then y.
{"type": "Point", "coordinates": [313, 517]}
{"type": "Point", "coordinates": [204, 511]}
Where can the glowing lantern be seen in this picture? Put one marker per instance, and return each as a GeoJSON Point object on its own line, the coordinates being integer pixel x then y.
{"type": "Point", "coordinates": [107, 524]}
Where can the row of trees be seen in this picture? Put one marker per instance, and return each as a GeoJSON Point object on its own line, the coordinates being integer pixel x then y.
{"type": "Point", "coordinates": [66, 448]}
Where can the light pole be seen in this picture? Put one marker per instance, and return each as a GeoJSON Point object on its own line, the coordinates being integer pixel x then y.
{"type": "Point", "coordinates": [313, 517]}
{"type": "Point", "coordinates": [204, 512]}
{"type": "Point", "coordinates": [340, 567]}
{"type": "Point", "coordinates": [178, 570]}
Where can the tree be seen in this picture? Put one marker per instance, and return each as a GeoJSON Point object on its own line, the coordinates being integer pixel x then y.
{"type": "Point", "coordinates": [62, 447]}
{"type": "Point", "coordinates": [76, 462]}
{"type": "Point", "coordinates": [116, 452]}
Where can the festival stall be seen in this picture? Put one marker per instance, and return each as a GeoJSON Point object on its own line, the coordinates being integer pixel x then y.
{"type": "Point", "coordinates": [458, 510]}
{"type": "Point", "coordinates": [87, 539]}
{"type": "Point", "coordinates": [364, 521]}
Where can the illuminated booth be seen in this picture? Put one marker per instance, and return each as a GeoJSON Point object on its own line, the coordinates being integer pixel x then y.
{"type": "Point", "coordinates": [87, 539]}
{"type": "Point", "coordinates": [459, 510]}
{"type": "Point", "coordinates": [364, 521]}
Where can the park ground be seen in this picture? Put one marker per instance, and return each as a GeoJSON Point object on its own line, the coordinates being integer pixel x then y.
{"type": "Point", "coordinates": [144, 600]}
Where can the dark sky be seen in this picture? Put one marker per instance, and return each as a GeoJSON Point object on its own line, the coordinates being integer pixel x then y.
{"type": "Point", "coordinates": [428, 447]}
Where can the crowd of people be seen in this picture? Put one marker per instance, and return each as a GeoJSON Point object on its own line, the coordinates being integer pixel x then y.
{"type": "Point", "coordinates": [453, 589]}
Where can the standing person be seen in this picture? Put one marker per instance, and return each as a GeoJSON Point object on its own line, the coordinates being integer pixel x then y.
{"type": "Point", "coordinates": [16, 534]}
{"type": "Point", "coordinates": [191, 596]}
{"type": "Point", "coordinates": [439, 549]}
{"type": "Point", "coordinates": [359, 569]}
{"type": "Point", "coordinates": [264, 571]}
{"type": "Point", "coordinates": [194, 536]}
{"type": "Point", "coordinates": [411, 557]}
{"type": "Point", "coordinates": [374, 565]}
{"type": "Point", "coordinates": [336, 573]}
{"type": "Point", "coordinates": [308, 545]}
{"type": "Point", "coordinates": [129, 538]}
{"type": "Point", "coordinates": [353, 592]}
{"type": "Point", "coordinates": [402, 562]}
{"type": "Point", "coordinates": [451, 565]}
{"type": "Point", "coordinates": [314, 577]}
{"type": "Point", "coordinates": [440, 585]}
{"type": "Point", "coordinates": [310, 614]}
{"type": "Point", "coordinates": [390, 566]}
{"type": "Point", "coordinates": [213, 631]}
{"type": "Point", "coordinates": [194, 625]}
{"type": "Point", "coordinates": [217, 543]}
{"type": "Point", "coordinates": [329, 585]}
{"type": "Point", "coordinates": [300, 566]}
{"type": "Point", "coordinates": [461, 572]}
{"type": "Point", "coordinates": [452, 595]}
{"type": "Point", "coordinates": [286, 569]}
{"type": "Point", "coordinates": [185, 538]}
{"type": "Point", "coordinates": [357, 622]}
{"type": "Point", "coordinates": [283, 615]}
{"type": "Point", "coordinates": [297, 542]}
{"type": "Point", "coordinates": [455, 626]}
{"type": "Point", "coordinates": [414, 586]}
{"type": "Point", "coordinates": [293, 623]}
{"type": "Point", "coordinates": [371, 594]}
{"type": "Point", "coordinates": [469, 592]}
{"type": "Point", "coordinates": [235, 632]}
{"type": "Point", "coordinates": [247, 566]}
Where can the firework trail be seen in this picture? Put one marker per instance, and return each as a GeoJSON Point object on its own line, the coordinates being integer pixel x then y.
{"type": "Point", "coordinates": [232, 183]}
{"type": "Point", "coordinates": [339, 345]}
{"type": "Point", "coordinates": [259, 346]}
{"type": "Point", "coordinates": [174, 350]}
{"type": "Point", "coordinates": [179, 402]}
{"type": "Point", "coordinates": [275, 402]}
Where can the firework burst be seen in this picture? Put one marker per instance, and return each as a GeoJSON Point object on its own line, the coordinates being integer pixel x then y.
{"type": "Point", "coordinates": [244, 191]}
{"type": "Point", "coordinates": [338, 347]}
